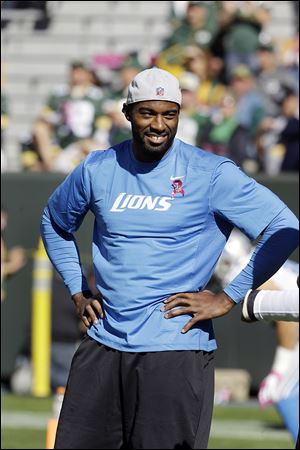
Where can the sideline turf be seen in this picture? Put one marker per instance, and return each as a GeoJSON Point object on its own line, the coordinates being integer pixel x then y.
{"type": "Point", "coordinates": [230, 418]}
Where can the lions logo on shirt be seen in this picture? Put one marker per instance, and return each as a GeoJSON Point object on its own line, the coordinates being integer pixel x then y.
{"type": "Point", "coordinates": [177, 186]}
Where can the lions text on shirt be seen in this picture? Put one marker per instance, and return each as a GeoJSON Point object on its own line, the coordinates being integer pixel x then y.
{"type": "Point", "coordinates": [159, 230]}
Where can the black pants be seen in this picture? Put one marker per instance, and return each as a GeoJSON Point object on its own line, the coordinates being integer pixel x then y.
{"type": "Point", "coordinates": [137, 400]}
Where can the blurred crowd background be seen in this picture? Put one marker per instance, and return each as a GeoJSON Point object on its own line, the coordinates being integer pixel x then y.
{"type": "Point", "coordinates": [66, 65]}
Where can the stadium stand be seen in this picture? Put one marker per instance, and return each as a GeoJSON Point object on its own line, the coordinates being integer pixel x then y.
{"type": "Point", "coordinates": [36, 60]}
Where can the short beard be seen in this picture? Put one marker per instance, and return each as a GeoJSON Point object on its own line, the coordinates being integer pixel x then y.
{"type": "Point", "coordinates": [155, 152]}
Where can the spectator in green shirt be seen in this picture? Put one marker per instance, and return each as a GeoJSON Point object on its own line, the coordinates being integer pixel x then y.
{"type": "Point", "coordinates": [72, 115]}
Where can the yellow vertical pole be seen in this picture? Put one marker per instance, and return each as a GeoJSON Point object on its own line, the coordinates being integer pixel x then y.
{"type": "Point", "coordinates": [41, 323]}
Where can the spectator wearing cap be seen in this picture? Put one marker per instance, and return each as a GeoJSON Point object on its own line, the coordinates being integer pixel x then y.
{"type": "Point", "coordinates": [71, 116]}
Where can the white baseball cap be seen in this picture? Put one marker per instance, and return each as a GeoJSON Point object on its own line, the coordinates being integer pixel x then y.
{"type": "Point", "coordinates": [154, 84]}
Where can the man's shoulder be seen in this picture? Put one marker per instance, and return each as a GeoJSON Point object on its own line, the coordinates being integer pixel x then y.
{"type": "Point", "coordinates": [202, 159]}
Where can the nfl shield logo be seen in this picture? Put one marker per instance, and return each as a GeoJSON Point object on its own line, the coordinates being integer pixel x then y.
{"type": "Point", "coordinates": [160, 92]}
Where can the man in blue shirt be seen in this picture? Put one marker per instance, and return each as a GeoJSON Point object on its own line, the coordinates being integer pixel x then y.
{"type": "Point", "coordinates": [143, 376]}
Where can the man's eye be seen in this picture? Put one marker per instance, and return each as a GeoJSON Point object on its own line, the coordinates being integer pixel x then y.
{"type": "Point", "coordinates": [169, 116]}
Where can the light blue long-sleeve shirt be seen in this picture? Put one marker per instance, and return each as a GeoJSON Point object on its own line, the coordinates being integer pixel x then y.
{"type": "Point", "coordinates": [160, 229]}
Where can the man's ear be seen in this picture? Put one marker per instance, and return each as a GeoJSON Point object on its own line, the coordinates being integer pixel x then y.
{"type": "Point", "coordinates": [125, 111]}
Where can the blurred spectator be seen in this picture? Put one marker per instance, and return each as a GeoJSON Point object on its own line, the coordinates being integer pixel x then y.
{"type": "Point", "coordinates": [119, 128]}
{"type": "Point", "coordinates": [208, 68]}
{"type": "Point", "coordinates": [278, 141]}
{"type": "Point", "coordinates": [249, 115]}
{"type": "Point", "coordinates": [72, 116]}
{"type": "Point", "coordinates": [191, 121]}
{"type": "Point", "coordinates": [225, 134]}
{"type": "Point", "coordinates": [241, 24]}
{"type": "Point", "coordinates": [195, 61]}
{"type": "Point", "coordinates": [272, 78]}
{"type": "Point", "coordinates": [289, 52]}
{"type": "Point", "coordinates": [197, 28]}
{"type": "Point", "coordinates": [221, 134]}
{"type": "Point", "coordinates": [13, 259]}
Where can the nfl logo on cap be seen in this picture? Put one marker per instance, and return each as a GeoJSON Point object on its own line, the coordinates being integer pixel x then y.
{"type": "Point", "coordinates": [160, 92]}
{"type": "Point", "coordinates": [154, 84]}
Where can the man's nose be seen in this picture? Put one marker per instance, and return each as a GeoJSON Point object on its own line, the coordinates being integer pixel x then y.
{"type": "Point", "coordinates": [158, 123]}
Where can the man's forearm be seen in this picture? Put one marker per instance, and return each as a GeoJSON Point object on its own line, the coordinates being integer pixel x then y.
{"type": "Point", "coordinates": [63, 253]}
{"type": "Point", "coordinates": [278, 241]}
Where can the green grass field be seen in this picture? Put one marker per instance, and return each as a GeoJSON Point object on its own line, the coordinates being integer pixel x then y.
{"type": "Point", "coordinates": [234, 426]}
